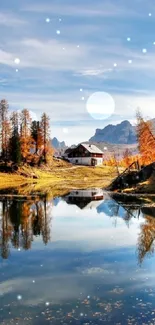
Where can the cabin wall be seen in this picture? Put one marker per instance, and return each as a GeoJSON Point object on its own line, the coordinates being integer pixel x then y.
{"type": "Point", "coordinates": [86, 161]}
{"type": "Point", "coordinates": [86, 193]}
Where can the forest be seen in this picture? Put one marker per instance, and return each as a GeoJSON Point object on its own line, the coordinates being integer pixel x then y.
{"type": "Point", "coordinates": [23, 140]}
{"type": "Point", "coordinates": [27, 141]}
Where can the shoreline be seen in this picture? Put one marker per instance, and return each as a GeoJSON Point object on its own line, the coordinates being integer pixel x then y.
{"type": "Point", "coordinates": [56, 179]}
{"type": "Point", "coordinates": [64, 177]}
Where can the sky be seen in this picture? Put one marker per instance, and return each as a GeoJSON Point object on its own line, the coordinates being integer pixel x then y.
{"type": "Point", "coordinates": [55, 55]}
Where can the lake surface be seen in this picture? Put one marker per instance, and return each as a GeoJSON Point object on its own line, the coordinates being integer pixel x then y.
{"type": "Point", "coordinates": [79, 259]}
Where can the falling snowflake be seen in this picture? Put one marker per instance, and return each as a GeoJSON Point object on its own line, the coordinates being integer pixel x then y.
{"type": "Point", "coordinates": [60, 19]}
{"type": "Point", "coordinates": [150, 14]}
{"type": "Point", "coordinates": [128, 39]}
{"type": "Point", "coordinates": [82, 98]}
{"type": "Point", "coordinates": [78, 46]}
{"type": "Point", "coordinates": [81, 314]}
{"type": "Point", "coordinates": [33, 281]}
{"type": "Point", "coordinates": [65, 130]}
{"type": "Point", "coordinates": [17, 71]}
{"type": "Point", "coordinates": [129, 61]}
{"type": "Point", "coordinates": [115, 64]}
{"type": "Point", "coordinates": [81, 89]}
{"type": "Point", "coordinates": [17, 61]}
{"type": "Point", "coordinates": [19, 297]}
{"type": "Point", "coordinates": [47, 20]}
{"type": "Point", "coordinates": [58, 32]}
{"type": "Point", "coordinates": [144, 50]}
{"type": "Point", "coordinates": [47, 303]}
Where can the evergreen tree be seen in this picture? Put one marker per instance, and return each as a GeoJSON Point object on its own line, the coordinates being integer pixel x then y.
{"type": "Point", "coordinates": [36, 135]}
{"type": "Point", "coordinates": [15, 144]}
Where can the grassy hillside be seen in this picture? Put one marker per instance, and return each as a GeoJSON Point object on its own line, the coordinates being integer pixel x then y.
{"type": "Point", "coordinates": [60, 175]}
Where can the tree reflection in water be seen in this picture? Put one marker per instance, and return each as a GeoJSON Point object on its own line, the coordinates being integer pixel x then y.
{"type": "Point", "coordinates": [20, 221]}
{"type": "Point", "coordinates": [146, 238]}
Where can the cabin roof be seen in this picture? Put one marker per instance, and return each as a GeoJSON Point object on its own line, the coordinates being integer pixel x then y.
{"type": "Point", "coordinates": [91, 148]}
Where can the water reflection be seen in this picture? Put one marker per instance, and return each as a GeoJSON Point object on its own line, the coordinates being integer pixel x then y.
{"type": "Point", "coordinates": [20, 221]}
{"type": "Point", "coordinates": [72, 260]}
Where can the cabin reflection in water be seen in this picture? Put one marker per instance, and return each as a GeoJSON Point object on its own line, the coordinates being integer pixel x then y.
{"type": "Point", "coordinates": [85, 199]}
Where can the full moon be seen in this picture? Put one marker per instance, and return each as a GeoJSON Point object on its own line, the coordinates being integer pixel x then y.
{"type": "Point", "coordinates": [100, 105]}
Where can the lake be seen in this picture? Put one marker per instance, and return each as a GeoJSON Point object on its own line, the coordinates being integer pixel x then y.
{"type": "Point", "coordinates": [78, 259]}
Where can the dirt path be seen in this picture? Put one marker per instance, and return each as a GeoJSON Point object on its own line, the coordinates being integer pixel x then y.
{"type": "Point", "coordinates": [72, 167]}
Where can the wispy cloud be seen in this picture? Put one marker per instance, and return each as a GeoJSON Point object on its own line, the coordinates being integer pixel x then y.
{"type": "Point", "coordinates": [10, 20]}
{"type": "Point", "coordinates": [91, 52]}
{"type": "Point", "coordinates": [87, 9]}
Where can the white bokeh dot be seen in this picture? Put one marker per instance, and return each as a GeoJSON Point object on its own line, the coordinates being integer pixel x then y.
{"type": "Point", "coordinates": [47, 303]}
{"type": "Point", "coordinates": [100, 105]}
{"type": "Point", "coordinates": [115, 65]}
{"type": "Point", "coordinates": [16, 70]}
{"type": "Point", "coordinates": [16, 60]}
{"type": "Point", "coordinates": [128, 39]}
{"type": "Point", "coordinates": [81, 89]}
{"type": "Point", "coordinates": [82, 98]}
{"type": "Point", "coordinates": [150, 14]}
{"type": "Point", "coordinates": [129, 61]}
{"type": "Point", "coordinates": [58, 32]}
{"type": "Point", "coordinates": [65, 130]}
{"type": "Point", "coordinates": [47, 20]}
{"type": "Point", "coordinates": [19, 297]}
{"type": "Point", "coordinates": [144, 51]}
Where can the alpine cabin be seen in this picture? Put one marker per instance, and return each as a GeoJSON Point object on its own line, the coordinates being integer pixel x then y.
{"type": "Point", "coordinates": [85, 154]}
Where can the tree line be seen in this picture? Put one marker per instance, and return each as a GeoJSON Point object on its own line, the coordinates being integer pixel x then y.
{"type": "Point", "coordinates": [22, 139]}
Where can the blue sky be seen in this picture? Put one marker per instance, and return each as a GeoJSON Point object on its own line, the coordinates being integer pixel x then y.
{"type": "Point", "coordinates": [54, 67]}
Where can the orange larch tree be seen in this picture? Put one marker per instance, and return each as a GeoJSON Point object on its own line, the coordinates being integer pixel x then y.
{"type": "Point", "coordinates": [25, 134]}
{"type": "Point", "coordinates": [4, 128]}
{"type": "Point", "coordinates": [146, 139]}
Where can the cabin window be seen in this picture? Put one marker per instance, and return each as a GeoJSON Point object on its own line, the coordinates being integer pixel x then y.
{"type": "Point", "coordinates": [76, 161]}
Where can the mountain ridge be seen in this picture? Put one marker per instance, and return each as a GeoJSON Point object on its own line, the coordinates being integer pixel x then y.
{"type": "Point", "coordinates": [122, 133]}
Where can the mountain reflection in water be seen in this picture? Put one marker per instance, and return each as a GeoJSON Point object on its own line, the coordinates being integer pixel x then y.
{"type": "Point", "coordinates": [77, 259]}
{"type": "Point", "coordinates": [21, 220]}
